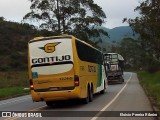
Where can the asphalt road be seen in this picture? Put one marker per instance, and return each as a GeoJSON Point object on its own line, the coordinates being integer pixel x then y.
{"type": "Point", "coordinates": [119, 101]}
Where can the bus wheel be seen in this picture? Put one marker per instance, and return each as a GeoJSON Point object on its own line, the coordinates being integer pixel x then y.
{"type": "Point", "coordinates": [90, 94]}
{"type": "Point", "coordinates": [86, 100]}
{"type": "Point", "coordinates": [49, 103]}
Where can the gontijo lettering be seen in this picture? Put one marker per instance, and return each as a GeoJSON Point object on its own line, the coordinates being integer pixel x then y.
{"type": "Point", "coordinates": [51, 59]}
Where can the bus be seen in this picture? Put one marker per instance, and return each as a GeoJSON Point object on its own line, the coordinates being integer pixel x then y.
{"type": "Point", "coordinates": [64, 67]}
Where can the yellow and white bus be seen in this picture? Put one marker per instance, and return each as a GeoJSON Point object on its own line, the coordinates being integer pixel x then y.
{"type": "Point", "coordinates": [64, 67]}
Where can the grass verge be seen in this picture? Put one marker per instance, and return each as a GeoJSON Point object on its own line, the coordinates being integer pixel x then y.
{"type": "Point", "coordinates": [12, 84]}
{"type": "Point", "coordinates": [151, 83]}
{"type": "Point", "coordinates": [12, 92]}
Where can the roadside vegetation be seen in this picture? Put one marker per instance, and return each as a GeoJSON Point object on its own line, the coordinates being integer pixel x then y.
{"type": "Point", "coordinates": [14, 39]}
{"type": "Point", "coordinates": [151, 84]}
{"type": "Point", "coordinates": [13, 84]}
{"type": "Point", "coordinates": [143, 53]}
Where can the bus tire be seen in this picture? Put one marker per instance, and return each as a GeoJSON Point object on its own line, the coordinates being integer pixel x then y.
{"type": "Point", "coordinates": [49, 103]}
{"type": "Point", "coordinates": [90, 94]}
{"type": "Point", "coordinates": [86, 100]}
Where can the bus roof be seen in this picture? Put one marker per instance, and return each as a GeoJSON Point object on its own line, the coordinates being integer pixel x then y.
{"type": "Point", "coordinates": [51, 37]}
{"type": "Point", "coordinates": [61, 36]}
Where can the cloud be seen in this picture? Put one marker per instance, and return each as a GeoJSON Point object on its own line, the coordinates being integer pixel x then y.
{"type": "Point", "coordinates": [115, 10]}
{"type": "Point", "coordinates": [14, 9]}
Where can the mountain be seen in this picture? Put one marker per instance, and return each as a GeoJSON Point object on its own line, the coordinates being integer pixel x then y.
{"type": "Point", "coordinates": [116, 34]}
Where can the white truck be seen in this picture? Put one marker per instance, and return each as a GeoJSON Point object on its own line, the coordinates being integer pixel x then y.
{"type": "Point", "coordinates": [114, 66]}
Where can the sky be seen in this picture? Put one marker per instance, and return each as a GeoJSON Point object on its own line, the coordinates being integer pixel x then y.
{"type": "Point", "coordinates": [116, 10]}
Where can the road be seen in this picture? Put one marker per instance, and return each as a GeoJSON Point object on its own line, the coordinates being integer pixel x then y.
{"type": "Point", "coordinates": [123, 98]}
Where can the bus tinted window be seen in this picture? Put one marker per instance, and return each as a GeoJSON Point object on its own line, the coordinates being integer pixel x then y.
{"type": "Point", "coordinates": [87, 53]}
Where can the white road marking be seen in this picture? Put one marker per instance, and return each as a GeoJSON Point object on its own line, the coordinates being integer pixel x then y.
{"type": "Point", "coordinates": [14, 101]}
{"type": "Point", "coordinates": [39, 108]}
{"type": "Point", "coordinates": [100, 112]}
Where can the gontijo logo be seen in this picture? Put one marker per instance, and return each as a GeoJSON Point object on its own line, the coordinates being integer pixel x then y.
{"type": "Point", "coordinates": [50, 47]}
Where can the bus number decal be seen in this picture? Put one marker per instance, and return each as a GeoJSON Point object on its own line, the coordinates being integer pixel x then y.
{"type": "Point", "coordinates": [91, 68]}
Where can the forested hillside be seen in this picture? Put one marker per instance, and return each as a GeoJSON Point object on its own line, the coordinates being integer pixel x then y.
{"type": "Point", "coordinates": [115, 34]}
{"type": "Point", "coordinates": [13, 44]}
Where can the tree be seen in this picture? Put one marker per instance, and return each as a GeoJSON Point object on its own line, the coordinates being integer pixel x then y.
{"type": "Point", "coordinates": [2, 19]}
{"type": "Point", "coordinates": [68, 16]}
{"type": "Point", "coordinates": [136, 56]}
{"type": "Point", "coordinates": [148, 26]}
{"type": "Point", "coordinates": [132, 51]}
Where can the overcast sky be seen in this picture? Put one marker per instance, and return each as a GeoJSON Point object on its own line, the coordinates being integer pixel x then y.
{"type": "Point", "coordinates": [115, 10]}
